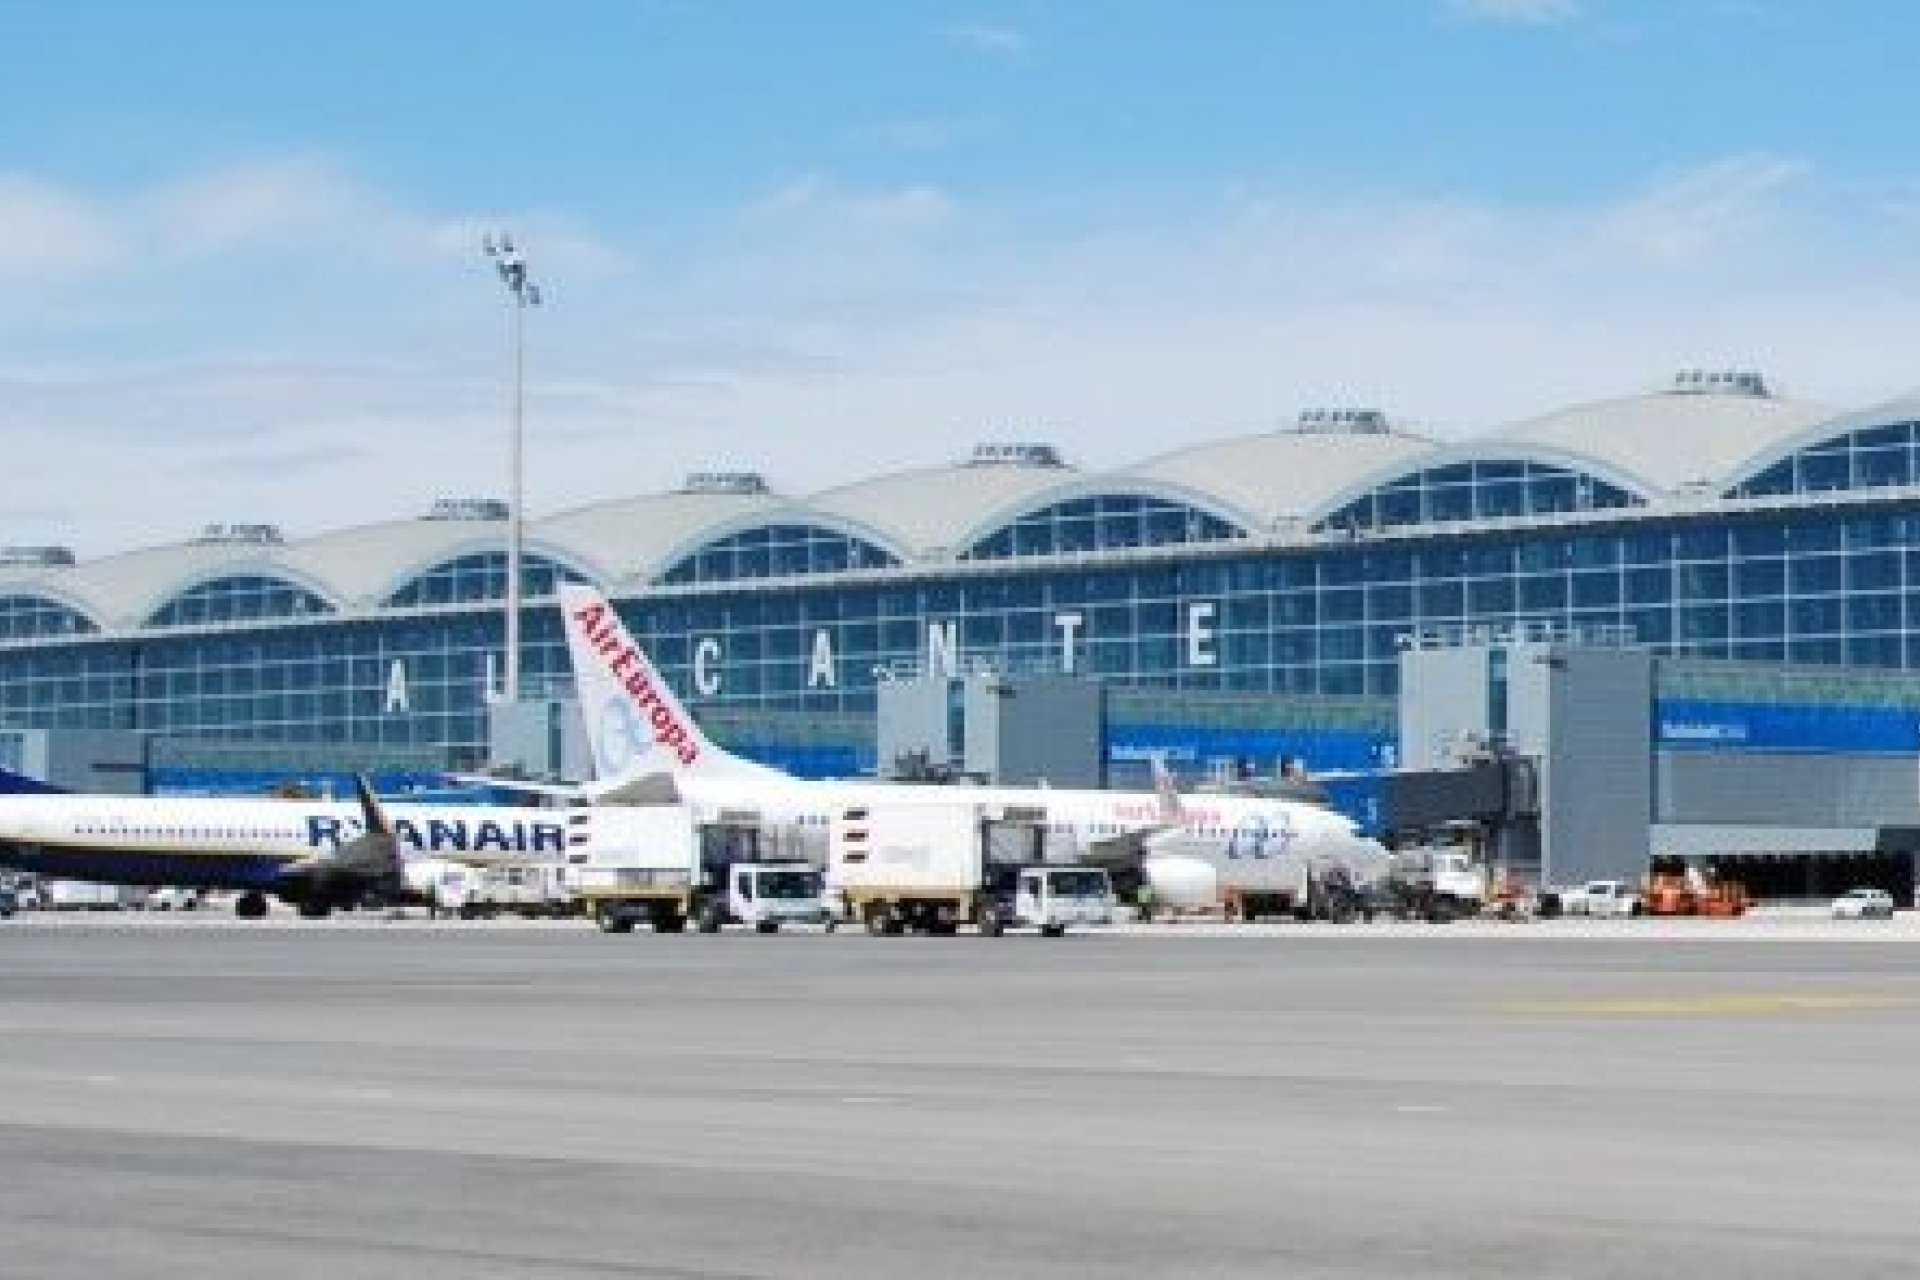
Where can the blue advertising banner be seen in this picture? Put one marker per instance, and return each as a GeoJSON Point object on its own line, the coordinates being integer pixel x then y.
{"type": "Point", "coordinates": [1695, 725]}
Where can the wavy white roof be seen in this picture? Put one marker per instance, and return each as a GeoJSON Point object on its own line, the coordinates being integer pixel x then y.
{"type": "Point", "coordinates": [1660, 443]}
{"type": "Point", "coordinates": [1669, 440]}
{"type": "Point", "coordinates": [1274, 478]}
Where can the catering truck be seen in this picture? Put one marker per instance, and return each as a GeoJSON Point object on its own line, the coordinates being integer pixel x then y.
{"type": "Point", "coordinates": [656, 863]}
{"type": "Point", "coordinates": [933, 862]}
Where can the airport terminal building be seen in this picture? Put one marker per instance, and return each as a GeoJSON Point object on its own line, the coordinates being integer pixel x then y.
{"type": "Point", "coordinates": [1242, 596]}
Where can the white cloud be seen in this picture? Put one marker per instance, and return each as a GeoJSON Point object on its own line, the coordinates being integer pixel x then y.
{"type": "Point", "coordinates": [835, 331]}
{"type": "Point", "coordinates": [1704, 212]}
{"type": "Point", "coordinates": [816, 201]}
{"type": "Point", "coordinates": [50, 232]}
{"type": "Point", "coordinates": [1533, 13]}
{"type": "Point", "coordinates": [990, 40]}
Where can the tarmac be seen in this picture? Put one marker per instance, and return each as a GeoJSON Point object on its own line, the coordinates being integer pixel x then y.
{"type": "Point", "coordinates": [200, 1097]}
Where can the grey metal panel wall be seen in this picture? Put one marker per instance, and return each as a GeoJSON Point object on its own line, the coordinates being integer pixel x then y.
{"type": "Point", "coordinates": [1754, 788]}
{"type": "Point", "coordinates": [1022, 729]}
{"type": "Point", "coordinates": [1443, 695]}
{"type": "Point", "coordinates": [911, 716]}
{"type": "Point", "coordinates": [1587, 713]}
{"type": "Point", "coordinates": [543, 738]}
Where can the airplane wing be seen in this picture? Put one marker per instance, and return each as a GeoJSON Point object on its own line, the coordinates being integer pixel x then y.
{"type": "Point", "coordinates": [652, 789]}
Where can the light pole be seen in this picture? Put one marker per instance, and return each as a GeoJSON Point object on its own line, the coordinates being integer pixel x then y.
{"type": "Point", "coordinates": [522, 293]}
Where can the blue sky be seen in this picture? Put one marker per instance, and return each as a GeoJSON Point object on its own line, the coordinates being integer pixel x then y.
{"type": "Point", "coordinates": [825, 239]}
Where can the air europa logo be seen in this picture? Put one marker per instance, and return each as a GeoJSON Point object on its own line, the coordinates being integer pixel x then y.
{"type": "Point", "coordinates": [624, 663]}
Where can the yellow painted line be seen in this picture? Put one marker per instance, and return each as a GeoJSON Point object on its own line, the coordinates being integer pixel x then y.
{"type": "Point", "coordinates": [1709, 1005]}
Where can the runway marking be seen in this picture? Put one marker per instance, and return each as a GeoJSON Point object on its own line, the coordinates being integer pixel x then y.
{"type": "Point", "coordinates": [1734, 1005]}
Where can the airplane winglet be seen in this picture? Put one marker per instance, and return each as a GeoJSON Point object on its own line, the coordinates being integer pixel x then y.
{"type": "Point", "coordinates": [371, 810]}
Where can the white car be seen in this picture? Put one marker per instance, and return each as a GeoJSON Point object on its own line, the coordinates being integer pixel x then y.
{"type": "Point", "coordinates": [1863, 904]}
{"type": "Point", "coordinates": [1602, 898]}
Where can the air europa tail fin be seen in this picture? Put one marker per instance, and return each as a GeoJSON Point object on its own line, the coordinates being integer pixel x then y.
{"type": "Point", "coordinates": [634, 723]}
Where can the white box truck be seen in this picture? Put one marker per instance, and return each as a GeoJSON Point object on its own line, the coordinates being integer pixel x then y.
{"type": "Point", "coordinates": [656, 864]}
{"type": "Point", "coordinates": [931, 865]}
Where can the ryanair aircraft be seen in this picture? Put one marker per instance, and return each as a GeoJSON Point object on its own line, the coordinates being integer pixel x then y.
{"type": "Point", "coordinates": [315, 855]}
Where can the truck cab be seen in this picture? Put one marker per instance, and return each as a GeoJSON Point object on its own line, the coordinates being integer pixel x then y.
{"type": "Point", "coordinates": [1052, 898]}
{"type": "Point", "coordinates": [768, 895]}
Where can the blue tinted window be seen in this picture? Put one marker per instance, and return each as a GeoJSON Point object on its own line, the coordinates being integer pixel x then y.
{"type": "Point", "coordinates": [776, 551]}
{"type": "Point", "coordinates": [241, 598]}
{"type": "Point", "coordinates": [25, 617]}
{"type": "Point", "coordinates": [1478, 491]}
{"type": "Point", "coordinates": [1109, 522]}
{"type": "Point", "coordinates": [1871, 458]}
{"type": "Point", "coordinates": [481, 576]}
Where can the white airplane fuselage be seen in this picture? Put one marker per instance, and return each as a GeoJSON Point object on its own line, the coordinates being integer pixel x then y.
{"type": "Point", "coordinates": [1188, 846]}
{"type": "Point", "coordinates": [247, 844]}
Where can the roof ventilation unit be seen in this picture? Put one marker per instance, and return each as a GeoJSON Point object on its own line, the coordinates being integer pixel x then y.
{"type": "Point", "coordinates": [1016, 454]}
{"type": "Point", "coordinates": [1720, 382]}
{"type": "Point", "coordinates": [725, 482]}
{"type": "Point", "coordinates": [1343, 422]}
{"type": "Point", "coordinates": [247, 535]}
{"type": "Point", "coordinates": [46, 557]}
{"type": "Point", "coordinates": [468, 509]}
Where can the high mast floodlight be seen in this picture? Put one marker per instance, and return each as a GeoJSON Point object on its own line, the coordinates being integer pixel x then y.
{"type": "Point", "coordinates": [523, 293]}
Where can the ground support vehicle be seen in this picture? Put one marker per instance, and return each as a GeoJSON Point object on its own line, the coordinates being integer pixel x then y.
{"type": "Point", "coordinates": [664, 868]}
{"type": "Point", "coordinates": [1294, 888]}
{"type": "Point", "coordinates": [1614, 898]}
{"type": "Point", "coordinates": [1693, 895]}
{"type": "Point", "coordinates": [85, 895]}
{"type": "Point", "coordinates": [1863, 904]}
{"type": "Point", "coordinates": [1050, 899]}
{"type": "Point", "coordinates": [171, 898]}
{"type": "Point", "coordinates": [1435, 884]}
{"type": "Point", "coordinates": [933, 862]}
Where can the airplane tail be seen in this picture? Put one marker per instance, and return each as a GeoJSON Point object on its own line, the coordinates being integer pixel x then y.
{"type": "Point", "coordinates": [635, 725]}
{"type": "Point", "coordinates": [1167, 792]}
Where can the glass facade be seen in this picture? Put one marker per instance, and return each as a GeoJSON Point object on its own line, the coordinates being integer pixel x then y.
{"type": "Point", "coordinates": [26, 617]}
{"type": "Point", "coordinates": [1873, 458]}
{"type": "Point", "coordinates": [481, 576]}
{"type": "Point", "coordinates": [243, 597]}
{"type": "Point", "coordinates": [776, 551]}
{"type": "Point", "coordinates": [1325, 618]}
{"type": "Point", "coordinates": [1484, 490]}
{"type": "Point", "coordinates": [1111, 522]}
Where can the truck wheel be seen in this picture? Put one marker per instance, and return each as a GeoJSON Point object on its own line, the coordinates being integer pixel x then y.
{"type": "Point", "coordinates": [613, 920]}
{"type": "Point", "coordinates": [709, 921]}
{"type": "Point", "coordinates": [250, 905]}
{"type": "Point", "coordinates": [876, 919]}
{"type": "Point", "coordinates": [1053, 931]}
{"type": "Point", "coordinates": [766, 926]}
{"type": "Point", "coordinates": [991, 925]}
{"type": "Point", "coordinates": [669, 921]}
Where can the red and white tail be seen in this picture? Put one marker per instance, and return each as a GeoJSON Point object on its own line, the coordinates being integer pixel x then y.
{"type": "Point", "coordinates": [635, 725]}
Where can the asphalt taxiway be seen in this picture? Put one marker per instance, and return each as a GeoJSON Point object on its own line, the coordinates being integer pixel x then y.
{"type": "Point", "coordinates": [352, 1100]}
